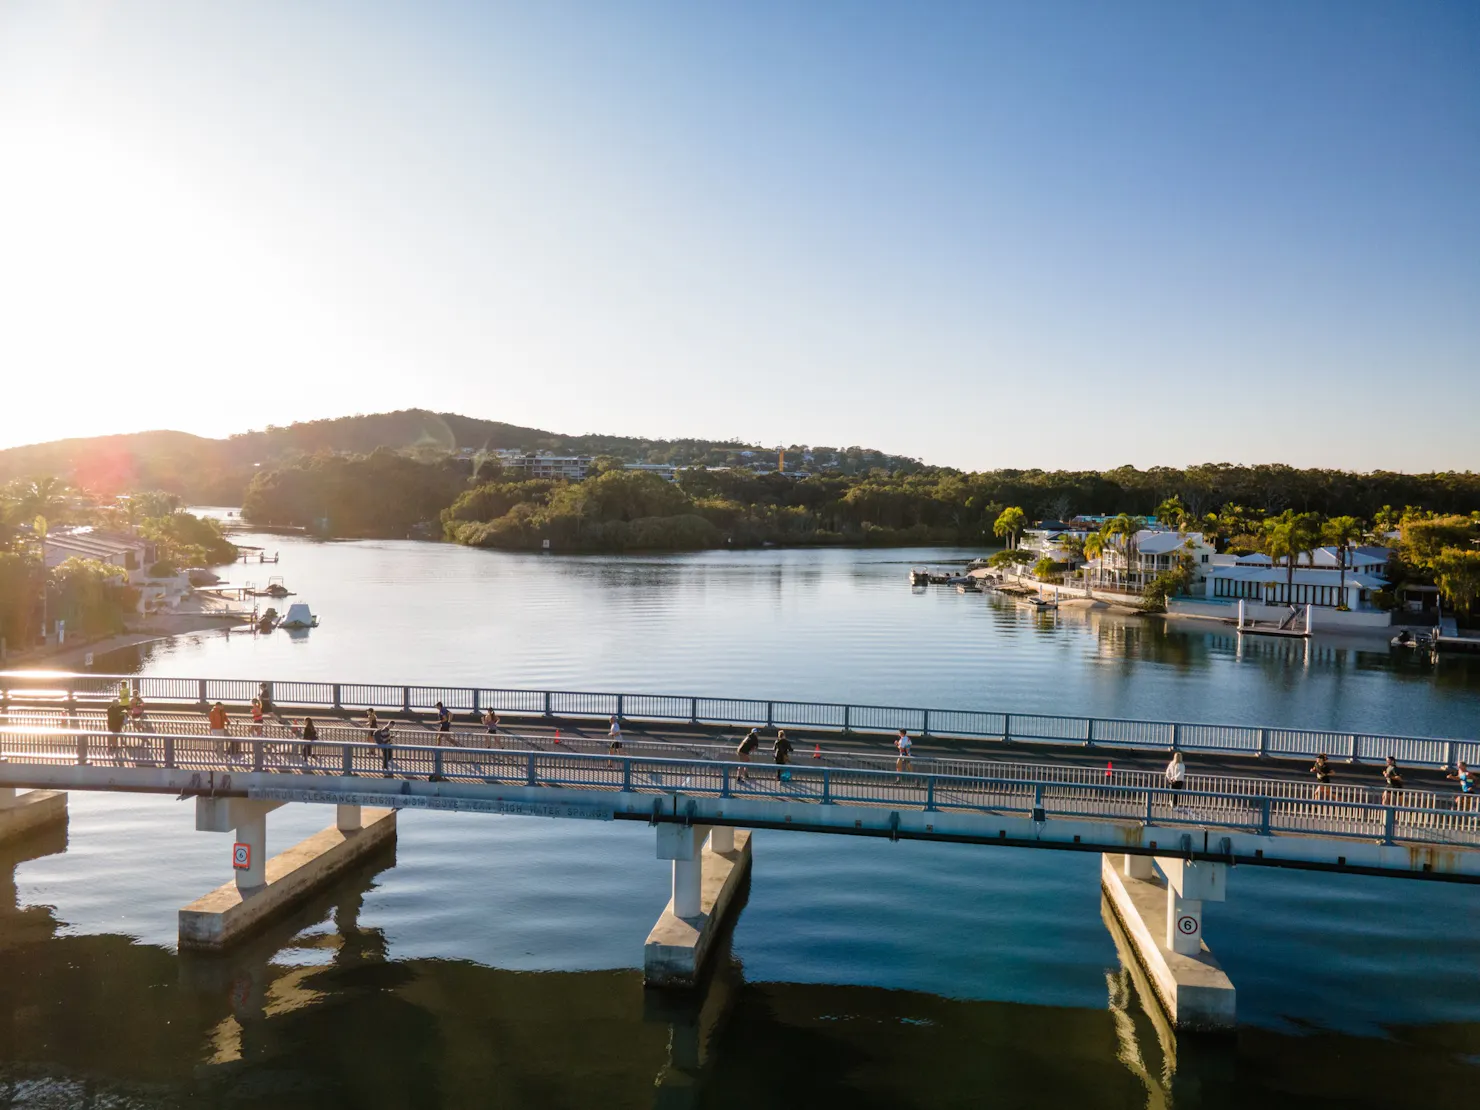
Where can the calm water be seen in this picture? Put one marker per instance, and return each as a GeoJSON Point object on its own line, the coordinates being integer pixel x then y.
{"type": "Point", "coordinates": [492, 961]}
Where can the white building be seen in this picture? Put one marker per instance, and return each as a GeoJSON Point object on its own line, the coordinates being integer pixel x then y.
{"type": "Point", "coordinates": [1315, 581]}
{"type": "Point", "coordinates": [572, 468]}
{"type": "Point", "coordinates": [127, 553]}
{"type": "Point", "coordinates": [1131, 567]}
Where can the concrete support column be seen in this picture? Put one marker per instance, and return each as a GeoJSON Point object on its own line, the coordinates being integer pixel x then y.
{"type": "Point", "coordinates": [348, 819]}
{"type": "Point", "coordinates": [1184, 924]}
{"type": "Point", "coordinates": [688, 886]}
{"type": "Point", "coordinates": [722, 838]}
{"type": "Point", "coordinates": [7, 797]}
{"type": "Point", "coordinates": [1139, 867]}
{"type": "Point", "coordinates": [251, 830]}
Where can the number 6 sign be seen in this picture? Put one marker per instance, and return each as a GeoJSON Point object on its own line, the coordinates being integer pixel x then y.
{"type": "Point", "coordinates": [241, 856]}
{"type": "Point", "coordinates": [1187, 925]}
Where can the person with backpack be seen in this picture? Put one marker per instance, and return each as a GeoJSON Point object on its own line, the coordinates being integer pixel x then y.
{"type": "Point", "coordinates": [748, 743]}
{"type": "Point", "coordinates": [781, 750]}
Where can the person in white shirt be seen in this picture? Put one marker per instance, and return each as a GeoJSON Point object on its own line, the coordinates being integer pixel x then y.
{"type": "Point", "coordinates": [1176, 774]}
{"type": "Point", "coordinates": [903, 745]}
{"type": "Point", "coordinates": [614, 734]}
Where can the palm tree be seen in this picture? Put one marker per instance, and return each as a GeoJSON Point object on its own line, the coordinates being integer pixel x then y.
{"type": "Point", "coordinates": [1125, 526]}
{"type": "Point", "coordinates": [1009, 523]}
{"type": "Point", "coordinates": [42, 497]}
{"type": "Point", "coordinates": [1094, 545]}
{"type": "Point", "coordinates": [1342, 532]}
{"type": "Point", "coordinates": [1171, 511]}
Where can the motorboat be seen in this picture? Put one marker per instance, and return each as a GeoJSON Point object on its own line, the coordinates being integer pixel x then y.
{"type": "Point", "coordinates": [919, 576]}
{"type": "Point", "coordinates": [299, 616]}
{"type": "Point", "coordinates": [275, 587]}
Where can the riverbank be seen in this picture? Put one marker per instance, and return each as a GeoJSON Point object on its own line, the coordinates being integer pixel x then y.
{"type": "Point", "coordinates": [74, 653]}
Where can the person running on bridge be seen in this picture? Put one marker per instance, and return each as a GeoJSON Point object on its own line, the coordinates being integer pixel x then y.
{"type": "Point", "coordinates": [444, 720]}
{"type": "Point", "coordinates": [1466, 785]}
{"type": "Point", "coordinates": [1176, 776]}
{"type": "Point", "coordinates": [903, 744]}
{"type": "Point", "coordinates": [219, 724]}
{"type": "Point", "coordinates": [614, 737]}
{"type": "Point", "coordinates": [781, 750]}
{"type": "Point", "coordinates": [136, 714]}
{"type": "Point", "coordinates": [748, 744]}
{"type": "Point", "coordinates": [1322, 771]}
{"type": "Point", "coordinates": [382, 736]}
{"type": "Point", "coordinates": [310, 735]}
{"type": "Point", "coordinates": [256, 716]}
{"type": "Point", "coordinates": [490, 722]}
{"type": "Point", "coordinates": [1392, 782]}
{"type": "Point", "coordinates": [116, 715]}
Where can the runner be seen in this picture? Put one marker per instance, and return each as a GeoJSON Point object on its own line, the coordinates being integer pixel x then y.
{"type": "Point", "coordinates": [903, 744]}
{"type": "Point", "coordinates": [614, 734]}
{"type": "Point", "coordinates": [748, 744]}
{"type": "Point", "coordinates": [1176, 775]}
{"type": "Point", "coordinates": [781, 749]}
{"type": "Point", "coordinates": [1392, 782]}
{"type": "Point", "coordinates": [490, 722]}
{"type": "Point", "coordinates": [219, 723]}
{"type": "Point", "coordinates": [1466, 784]}
{"type": "Point", "coordinates": [136, 714]}
{"type": "Point", "coordinates": [310, 734]}
{"type": "Point", "coordinates": [116, 715]}
{"type": "Point", "coordinates": [1322, 771]}
{"type": "Point", "coordinates": [444, 719]}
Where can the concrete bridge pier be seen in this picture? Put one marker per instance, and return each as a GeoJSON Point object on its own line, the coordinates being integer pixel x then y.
{"type": "Point", "coordinates": [264, 889]}
{"type": "Point", "coordinates": [23, 812]}
{"type": "Point", "coordinates": [1162, 918]}
{"type": "Point", "coordinates": [709, 867]}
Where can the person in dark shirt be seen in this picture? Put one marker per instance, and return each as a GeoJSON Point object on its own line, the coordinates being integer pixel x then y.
{"type": "Point", "coordinates": [751, 741]}
{"type": "Point", "coordinates": [1322, 771]}
{"type": "Point", "coordinates": [116, 716]}
{"type": "Point", "coordinates": [1392, 782]}
{"type": "Point", "coordinates": [310, 735]}
{"type": "Point", "coordinates": [781, 749]}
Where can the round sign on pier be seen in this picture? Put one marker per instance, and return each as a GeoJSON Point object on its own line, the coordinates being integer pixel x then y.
{"type": "Point", "coordinates": [1187, 925]}
{"type": "Point", "coordinates": [241, 856]}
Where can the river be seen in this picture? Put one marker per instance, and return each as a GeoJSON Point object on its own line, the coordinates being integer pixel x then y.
{"type": "Point", "coordinates": [496, 962]}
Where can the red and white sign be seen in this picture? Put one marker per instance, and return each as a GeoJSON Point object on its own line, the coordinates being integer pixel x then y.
{"type": "Point", "coordinates": [241, 856]}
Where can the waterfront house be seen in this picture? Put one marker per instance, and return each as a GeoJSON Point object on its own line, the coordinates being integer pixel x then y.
{"type": "Point", "coordinates": [1129, 568]}
{"type": "Point", "coordinates": [128, 553]}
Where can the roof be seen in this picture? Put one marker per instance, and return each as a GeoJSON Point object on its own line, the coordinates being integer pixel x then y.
{"type": "Point", "coordinates": [1164, 543]}
{"type": "Point", "coordinates": [95, 545]}
{"type": "Point", "coordinates": [1304, 576]}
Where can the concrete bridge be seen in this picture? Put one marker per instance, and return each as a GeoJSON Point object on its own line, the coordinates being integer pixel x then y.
{"type": "Point", "coordinates": [1165, 853]}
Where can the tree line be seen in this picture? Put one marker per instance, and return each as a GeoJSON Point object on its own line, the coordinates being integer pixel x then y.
{"type": "Point", "coordinates": [87, 593]}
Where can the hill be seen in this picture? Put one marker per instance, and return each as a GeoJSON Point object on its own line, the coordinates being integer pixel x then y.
{"type": "Point", "coordinates": [217, 471]}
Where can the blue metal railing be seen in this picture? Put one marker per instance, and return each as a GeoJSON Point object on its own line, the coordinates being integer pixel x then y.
{"type": "Point", "coordinates": [966, 724]}
{"type": "Point", "coordinates": [1041, 798]}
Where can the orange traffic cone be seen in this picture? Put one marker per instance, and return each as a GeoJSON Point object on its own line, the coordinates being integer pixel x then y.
{"type": "Point", "coordinates": [557, 736]}
{"type": "Point", "coordinates": [817, 752]}
{"type": "Point", "coordinates": [1109, 769]}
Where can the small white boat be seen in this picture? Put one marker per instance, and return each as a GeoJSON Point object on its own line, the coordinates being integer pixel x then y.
{"type": "Point", "coordinates": [919, 577]}
{"type": "Point", "coordinates": [299, 616]}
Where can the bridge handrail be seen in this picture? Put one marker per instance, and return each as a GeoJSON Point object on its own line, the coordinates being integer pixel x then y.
{"type": "Point", "coordinates": [1089, 732]}
{"type": "Point", "coordinates": [1037, 799]}
{"type": "Point", "coordinates": [181, 724]}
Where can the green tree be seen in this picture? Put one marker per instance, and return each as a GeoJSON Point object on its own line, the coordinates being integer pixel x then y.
{"type": "Point", "coordinates": [1009, 524]}
{"type": "Point", "coordinates": [1172, 512]}
{"type": "Point", "coordinates": [1343, 533]}
{"type": "Point", "coordinates": [1457, 573]}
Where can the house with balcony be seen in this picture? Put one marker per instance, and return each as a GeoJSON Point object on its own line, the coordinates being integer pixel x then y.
{"type": "Point", "coordinates": [130, 554]}
{"type": "Point", "coordinates": [1130, 567]}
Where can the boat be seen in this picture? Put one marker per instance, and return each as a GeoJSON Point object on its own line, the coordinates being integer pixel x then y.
{"type": "Point", "coordinates": [267, 621]}
{"type": "Point", "coordinates": [1041, 603]}
{"type": "Point", "coordinates": [1408, 640]}
{"type": "Point", "coordinates": [275, 587]}
{"type": "Point", "coordinates": [299, 616]}
{"type": "Point", "coordinates": [919, 576]}
{"type": "Point", "coordinates": [969, 586]}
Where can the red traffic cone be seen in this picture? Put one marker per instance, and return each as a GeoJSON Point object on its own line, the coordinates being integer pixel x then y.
{"type": "Point", "coordinates": [1109, 769]}
{"type": "Point", "coordinates": [817, 751]}
{"type": "Point", "coordinates": [557, 736]}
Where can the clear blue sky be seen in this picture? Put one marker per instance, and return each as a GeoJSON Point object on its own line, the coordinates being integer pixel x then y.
{"type": "Point", "coordinates": [987, 234]}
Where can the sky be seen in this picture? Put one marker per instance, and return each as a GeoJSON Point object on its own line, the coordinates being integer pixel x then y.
{"type": "Point", "coordinates": [1057, 234]}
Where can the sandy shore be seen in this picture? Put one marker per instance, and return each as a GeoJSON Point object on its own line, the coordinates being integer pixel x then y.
{"type": "Point", "coordinates": [74, 654]}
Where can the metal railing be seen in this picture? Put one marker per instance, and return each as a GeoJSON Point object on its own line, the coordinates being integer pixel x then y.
{"type": "Point", "coordinates": [1037, 798]}
{"type": "Point", "coordinates": [41, 721]}
{"type": "Point", "coordinates": [20, 687]}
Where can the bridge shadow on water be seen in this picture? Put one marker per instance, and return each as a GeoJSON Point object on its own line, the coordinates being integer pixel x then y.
{"type": "Point", "coordinates": [316, 1012]}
